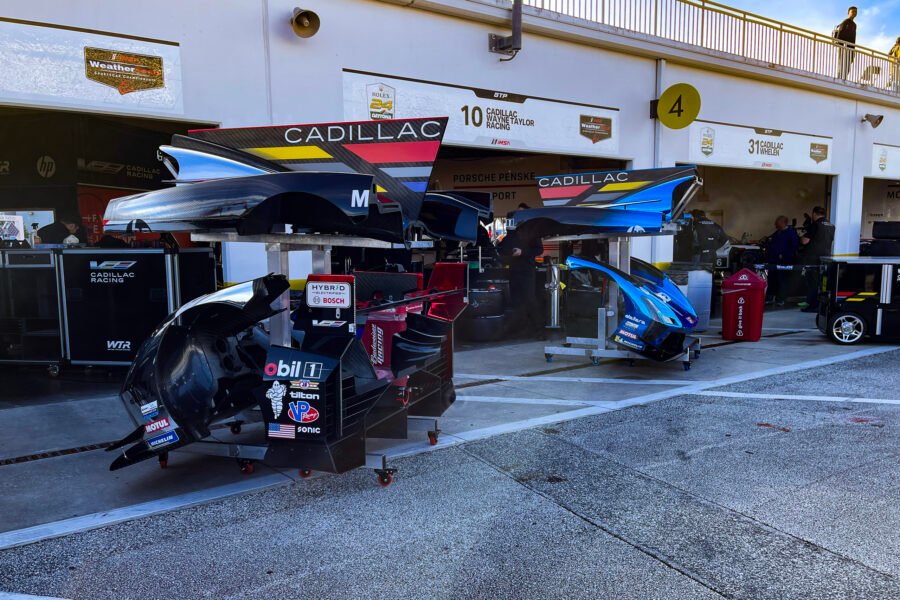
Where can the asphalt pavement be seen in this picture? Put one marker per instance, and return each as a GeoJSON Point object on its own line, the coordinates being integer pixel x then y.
{"type": "Point", "coordinates": [777, 479]}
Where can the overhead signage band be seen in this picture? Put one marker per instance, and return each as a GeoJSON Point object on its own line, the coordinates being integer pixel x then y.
{"type": "Point", "coordinates": [758, 148]}
{"type": "Point", "coordinates": [486, 118]}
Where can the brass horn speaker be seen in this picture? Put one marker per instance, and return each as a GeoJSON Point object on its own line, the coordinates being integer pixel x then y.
{"type": "Point", "coordinates": [305, 23]}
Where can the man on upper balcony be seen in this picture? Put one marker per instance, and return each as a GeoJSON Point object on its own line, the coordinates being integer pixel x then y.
{"type": "Point", "coordinates": [845, 36]}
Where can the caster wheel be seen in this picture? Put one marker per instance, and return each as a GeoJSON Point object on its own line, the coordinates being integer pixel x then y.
{"type": "Point", "coordinates": [433, 438]}
{"type": "Point", "coordinates": [163, 461]}
{"type": "Point", "coordinates": [246, 467]}
{"type": "Point", "coordinates": [595, 360]}
{"type": "Point", "coordinates": [687, 366]}
{"type": "Point", "coordinates": [53, 370]}
{"type": "Point", "coordinates": [236, 428]}
{"type": "Point", "coordinates": [385, 479]}
{"type": "Point", "coordinates": [549, 358]}
{"type": "Point", "coordinates": [305, 473]}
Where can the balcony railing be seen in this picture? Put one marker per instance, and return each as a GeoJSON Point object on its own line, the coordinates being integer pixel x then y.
{"type": "Point", "coordinates": [720, 28]}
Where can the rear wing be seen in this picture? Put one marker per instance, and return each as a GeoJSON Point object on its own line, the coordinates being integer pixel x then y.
{"type": "Point", "coordinates": [666, 191]}
{"type": "Point", "coordinates": [399, 153]}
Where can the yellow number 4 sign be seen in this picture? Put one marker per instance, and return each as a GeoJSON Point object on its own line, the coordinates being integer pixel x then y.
{"type": "Point", "coordinates": [678, 106]}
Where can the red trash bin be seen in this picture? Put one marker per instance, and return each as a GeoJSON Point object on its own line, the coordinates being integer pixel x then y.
{"type": "Point", "coordinates": [743, 304]}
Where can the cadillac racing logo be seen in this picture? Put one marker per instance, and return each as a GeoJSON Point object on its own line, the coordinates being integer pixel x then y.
{"type": "Point", "coordinates": [125, 71]}
{"type": "Point", "coordinates": [381, 101]}
{"type": "Point", "coordinates": [595, 128]}
{"type": "Point", "coordinates": [818, 152]}
{"type": "Point", "coordinates": [707, 140]}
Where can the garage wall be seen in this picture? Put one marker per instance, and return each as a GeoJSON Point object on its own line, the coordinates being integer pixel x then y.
{"type": "Point", "coordinates": [881, 202]}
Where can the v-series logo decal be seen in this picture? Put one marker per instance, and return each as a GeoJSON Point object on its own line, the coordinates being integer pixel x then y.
{"type": "Point", "coordinates": [114, 265]}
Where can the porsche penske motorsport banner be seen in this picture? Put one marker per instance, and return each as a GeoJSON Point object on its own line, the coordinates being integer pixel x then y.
{"type": "Point", "coordinates": [488, 118]}
{"type": "Point", "coordinates": [398, 152]}
{"type": "Point", "coordinates": [758, 148]}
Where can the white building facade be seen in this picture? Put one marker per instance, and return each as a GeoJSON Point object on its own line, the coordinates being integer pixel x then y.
{"type": "Point", "coordinates": [769, 139]}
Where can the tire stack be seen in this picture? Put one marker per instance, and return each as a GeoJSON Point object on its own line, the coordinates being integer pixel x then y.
{"type": "Point", "coordinates": [485, 320]}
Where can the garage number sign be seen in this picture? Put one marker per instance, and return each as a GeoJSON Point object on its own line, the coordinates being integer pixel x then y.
{"type": "Point", "coordinates": [678, 106]}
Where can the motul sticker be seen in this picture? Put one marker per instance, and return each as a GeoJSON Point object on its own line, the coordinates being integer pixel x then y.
{"type": "Point", "coordinates": [157, 425]}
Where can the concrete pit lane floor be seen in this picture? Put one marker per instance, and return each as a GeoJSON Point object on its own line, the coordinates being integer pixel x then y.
{"type": "Point", "coordinates": [768, 470]}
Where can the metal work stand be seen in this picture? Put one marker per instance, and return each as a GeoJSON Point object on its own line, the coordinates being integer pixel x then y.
{"type": "Point", "coordinates": [277, 247]}
{"type": "Point", "coordinates": [608, 316]}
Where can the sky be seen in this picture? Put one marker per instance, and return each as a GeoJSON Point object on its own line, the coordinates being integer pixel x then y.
{"type": "Point", "coordinates": [877, 25]}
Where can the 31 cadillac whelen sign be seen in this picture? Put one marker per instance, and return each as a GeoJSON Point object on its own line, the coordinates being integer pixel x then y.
{"type": "Point", "coordinates": [125, 71]}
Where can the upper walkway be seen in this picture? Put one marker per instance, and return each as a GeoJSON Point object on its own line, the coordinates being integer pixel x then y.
{"type": "Point", "coordinates": [722, 29]}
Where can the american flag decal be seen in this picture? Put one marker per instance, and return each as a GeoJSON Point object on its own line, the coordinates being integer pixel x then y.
{"type": "Point", "coordinates": [277, 430]}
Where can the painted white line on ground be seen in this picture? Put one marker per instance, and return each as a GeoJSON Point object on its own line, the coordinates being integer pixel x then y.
{"type": "Point", "coordinates": [12, 596]}
{"type": "Point", "coordinates": [513, 400]}
{"type": "Point", "coordinates": [560, 379]}
{"type": "Point", "coordinates": [755, 396]}
{"type": "Point", "coordinates": [29, 535]}
{"type": "Point", "coordinates": [39, 533]}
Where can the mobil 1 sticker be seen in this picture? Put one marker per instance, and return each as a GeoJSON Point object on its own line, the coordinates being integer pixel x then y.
{"type": "Point", "coordinates": [286, 363]}
{"type": "Point", "coordinates": [328, 294]}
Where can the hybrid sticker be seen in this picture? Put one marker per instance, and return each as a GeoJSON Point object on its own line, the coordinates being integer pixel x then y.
{"type": "Point", "coordinates": [275, 394]}
{"type": "Point", "coordinates": [156, 426]}
{"type": "Point", "coordinates": [302, 412]}
{"type": "Point", "coordinates": [163, 440]}
{"type": "Point", "coordinates": [325, 294]}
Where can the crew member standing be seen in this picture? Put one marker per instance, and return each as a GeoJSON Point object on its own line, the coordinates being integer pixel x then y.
{"type": "Point", "coordinates": [816, 243]}
{"type": "Point", "coordinates": [520, 252]}
{"type": "Point", "coordinates": [845, 37]}
{"type": "Point", "coordinates": [781, 251]}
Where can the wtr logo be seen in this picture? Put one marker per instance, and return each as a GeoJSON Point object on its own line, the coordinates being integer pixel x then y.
{"type": "Point", "coordinates": [122, 345]}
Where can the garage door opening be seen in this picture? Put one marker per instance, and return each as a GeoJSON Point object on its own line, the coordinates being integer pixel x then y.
{"type": "Point", "coordinates": [745, 204]}
{"type": "Point", "coordinates": [56, 163]}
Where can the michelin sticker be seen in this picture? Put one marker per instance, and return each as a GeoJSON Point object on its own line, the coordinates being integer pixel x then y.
{"type": "Point", "coordinates": [163, 440]}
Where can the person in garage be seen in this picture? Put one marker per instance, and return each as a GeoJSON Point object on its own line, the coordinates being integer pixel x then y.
{"type": "Point", "coordinates": [781, 251]}
{"type": "Point", "coordinates": [815, 243]}
{"type": "Point", "coordinates": [708, 237]}
{"type": "Point", "coordinates": [519, 252]}
{"type": "Point", "coordinates": [67, 229]}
